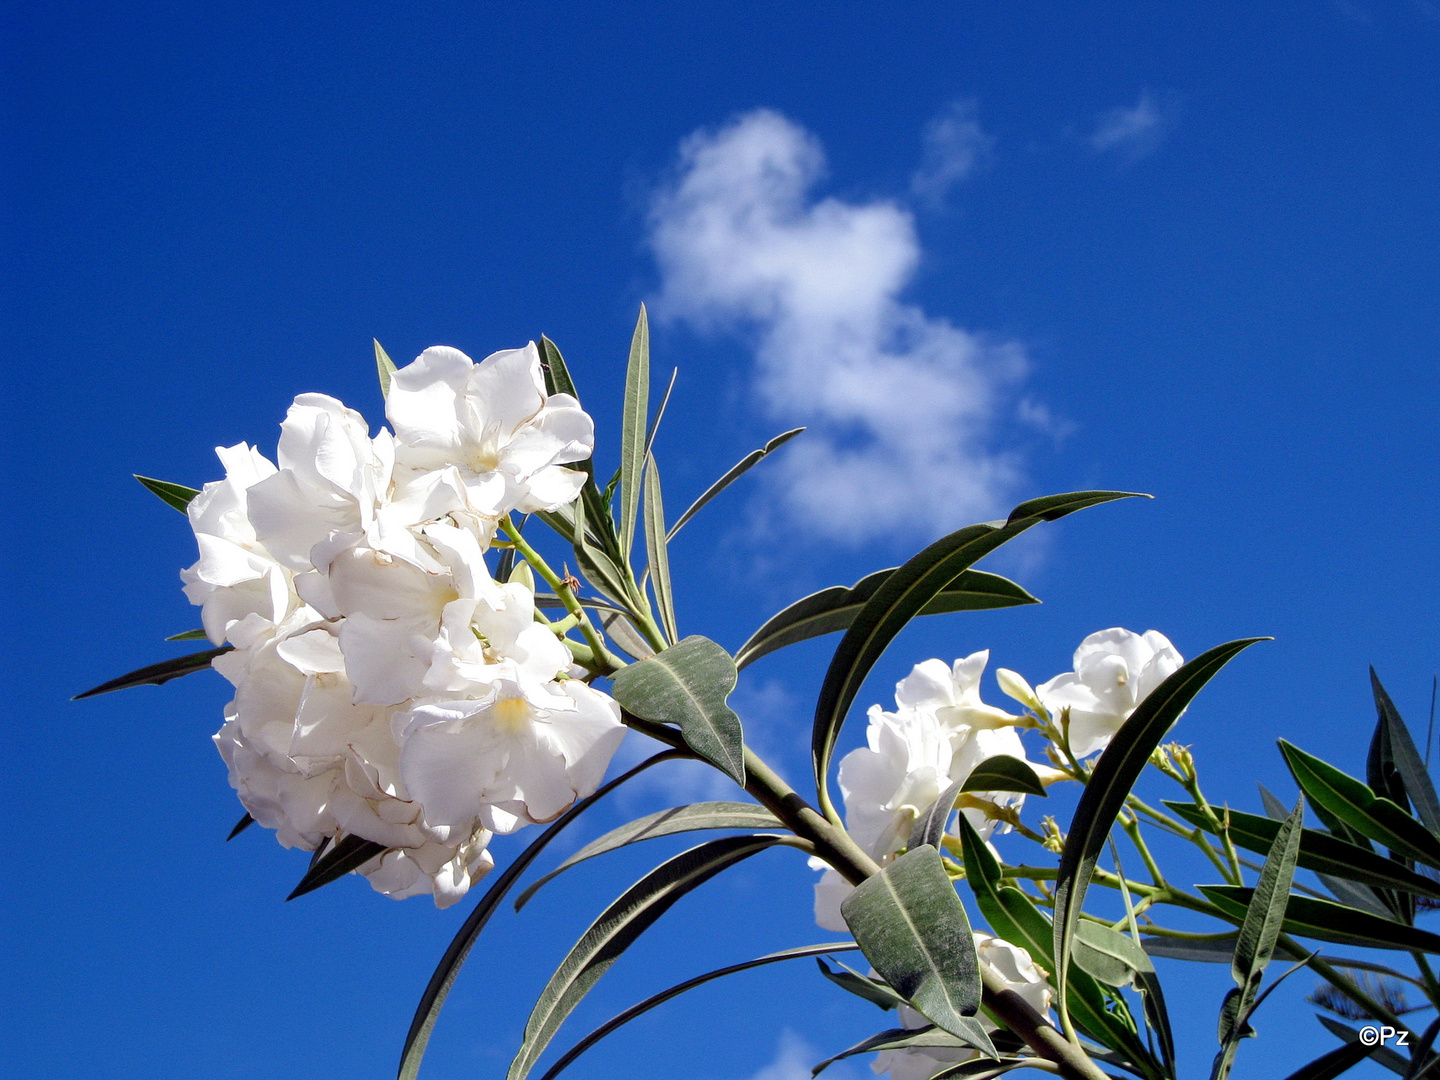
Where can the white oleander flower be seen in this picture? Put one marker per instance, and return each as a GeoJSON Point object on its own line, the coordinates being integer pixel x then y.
{"type": "Point", "coordinates": [444, 871]}
{"type": "Point", "coordinates": [1014, 968]}
{"type": "Point", "coordinates": [235, 576]}
{"type": "Point", "coordinates": [493, 425]}
{"type": "Point", "coordinates": [1114, 671]}
{"type": "Point", "coordinates": [522, 756]}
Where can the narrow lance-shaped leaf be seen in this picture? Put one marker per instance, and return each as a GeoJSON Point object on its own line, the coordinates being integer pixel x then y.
{"type": "Point", "coordinates": [929, 827]}
{"type": "Point", "coordinates": [1408, 762]}
{"type": "Point", "coordinates": [384, 367]}
{"type": "Point", "coordinates": [188, 635]}
{"type": "Point", "coordinates": [1355, 805]}
{"type": "Point", "coordinates": [862, 986]}
{"type": "Point", "coordinates": [436, 991]}
{"type": "Point", "coordinates": [834, 609]}
{"type": "Point", "coordinates": [687, 685]}
{"type": "Point", "coordinates": [157, 674]}
{"type": "Point", "coordinates": [633, 419]}
{"type": "Point", "coordinates": [981, 1069]}
{"type": "Point", "coordinates": [655, 548]}
{"type": "Point", "coordinates": [621, 1019]}
{"type": "Point", "coordinates": [735, 472]}
{"type": "Point", "coordinates": [1320, 852]}
{"type": "Point", "coordinates": [1382, 1055]}
{"type": "Point", "coordinates": [1005, 773]}
{"type": "Point", "coordinates": [1332, 1063]}
{"type": "Point", "coordinates": [349, 854]}
{"type": "Point", "coordinates": [678, 819]}
{"type": "Point", "coordinates": [902, 596]}
{"type": "Point", "coordinates": [240, 826]}
{"type": "Point", "coordinates": [660, 413]}
{"type": "Point", "coordinates": [896, 1039]}
{"type": "Point", "coordinates": [624, 635]}
{"type": "Point", "coordinates": [599, 569]}
{"type": "Point", "coordinates": [617, 928]}
{"type": "Point", "coordinates": [1264, 917]}
{"type": "Point", "coordinates": [1325, 920]}
{"type": "Point", "coordinates": [911, 926]}
{"type": "Point", "coordinates": [1110, 782]}
{"type": "Point", "coordinates": [175, 495]}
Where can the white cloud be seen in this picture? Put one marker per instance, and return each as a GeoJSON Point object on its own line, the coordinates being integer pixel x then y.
{"type": "Point", "coordinates": [1132, 132]}
{"type": "Point", "coordinates": [901, 405]}
{"type": "Point", "coordinates": [954, 145]}
{"type": "Point", "coordinates": [792, 1061]}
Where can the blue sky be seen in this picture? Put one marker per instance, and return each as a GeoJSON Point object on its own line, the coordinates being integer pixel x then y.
{"type": "Point", "coordinates": [1187, 250]}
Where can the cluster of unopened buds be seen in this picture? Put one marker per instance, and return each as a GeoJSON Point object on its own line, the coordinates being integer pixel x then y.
{"type": "Point", "coordinates": [387, 687]}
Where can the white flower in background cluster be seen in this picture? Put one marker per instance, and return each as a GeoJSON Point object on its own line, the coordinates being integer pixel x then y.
{"type": "Point", "coordinates": [386, 686]}
{"type": "Point", "coordinates": [939, 732]}
{"type": "Point", "coordinates": [1114, 671]}
{"type": "Point", "coordinates": [1013, 966]}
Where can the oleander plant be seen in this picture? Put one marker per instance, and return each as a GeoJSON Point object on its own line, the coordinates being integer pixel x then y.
{"type": "Point", "coordinates": [416, 669]}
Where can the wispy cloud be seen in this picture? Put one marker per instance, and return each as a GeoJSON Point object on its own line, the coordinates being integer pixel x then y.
{"type": "Point", "coordinates": [793, 1061]}
{"type": "Point", "coordinates": [955, 145]}
{"type": "Point", "coordinates": [1134, 131]}
{"type": "Point", "coordinates": [902, 405]}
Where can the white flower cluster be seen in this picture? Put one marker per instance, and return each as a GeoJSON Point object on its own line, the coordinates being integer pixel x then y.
{"type": "Point", "coordinates": [386, 686]}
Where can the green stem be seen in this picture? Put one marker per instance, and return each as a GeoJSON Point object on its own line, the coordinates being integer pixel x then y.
{"type": "Point", "coordinates": [604, 663]}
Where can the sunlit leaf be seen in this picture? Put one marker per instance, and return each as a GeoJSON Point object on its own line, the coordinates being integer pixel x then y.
{"type": "Point", "coordinates": [655, 549]}
{"type": "Point", "coordinates": [633, 420]}
{"type": "Point", "coordinates": [1325, 920]}
{"type": "Point", "coordinates": [384, 367]}
{"type": "Point", "coordinates": [735, 472]}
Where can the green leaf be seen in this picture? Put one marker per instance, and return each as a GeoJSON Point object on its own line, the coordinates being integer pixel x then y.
{"type": "Point", "coordinates": [176, 495]}
{"type": "Point", "coordinates": [912, 928]}
{"type": "Point", "coordinates": [659, 414]}
{"type": "Point", "coordinates": [188, 635]}
{"type": "Point", "coordinates": [1407, 760]}
{"type": "Point", "coordinates": [1325, 920]}
{"type": "Point", "coordinates": [903, 595]}
{"type": "Point", "coordinates": [1005, 773]}
{"type": "Point", "coordinates": [349, 854]}
{"type": "Point", "coordinates": [1355, 805]}
{"type": "Point", "coordinates": [981, 1069]}
{"type": "Point", "coordinates": [655, 548]}
{"type": "Point", "coordinates": [1382, 1055]}
{"type": "Point", "coordinates": [862, 986]}
{"type": "Point", "coordinates": [240, 826]}
{"type": "Point", "coordinates": [156, 674]}
{"type": "Point", "coordinates": [687, 685]}
{"type": "Point", "coordinates": [736, 471]}
{"type": "Point", "coordinates": [1110, 782]}
{"type": "Point", "coordinates": [633, 419]}
{"type": "Point", "coordinates": [1332, 1063]}
{"type": "Point", "coordinates": [621, 1019]}
{"type": "Point", "coordinates": [929, 827]}
{"type": "Point", "coordinates": [1255, 945]}
{"type": "Point", "coordinates": [617, 928]}
{"type": "Point", "coordinates": [896, 1039]}
{"type": "Point", "coordinates": [1319, 851]}
{"type": "Point", "coordinates": [438, 989]}
{"type": "Point", "coordinates": [1014, 917]}
{"type": "Point", "coordinates": [678, 819]}
{"type": "Point", "coordinates": [835, 608]}
{"type": "Point", "coordinates": [625, 636]}
{"type": "Point", "coordinates": [1109, 955]}
{"type": "Point", "coordinates": [603, 574]}
{"type": "Point", "coordinates": [385, 367]}
{"type": "Point", "coordinates": [557, 375]}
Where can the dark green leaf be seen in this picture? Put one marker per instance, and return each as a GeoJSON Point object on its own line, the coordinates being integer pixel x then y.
{"type": "Point", "coordinates": [156, 674]}
{"type": "Point", "coordinates": [862, 986]}
{"type": "Point", "coordinates": [1382, 1055]}
{"type": "Point", "coordinates": [1358, 807]}
{"type": "Point", "coordinates": [1110, 782]}
{"type": "Point", "coordinates": [1321, 852]}
{"type": "Point", "coordinates": [176, 495]}
{"type": "Point", "coordinates": [436, 991]}
{"type": "Point", "coordinates": [348, 854]}
{"type": "Point", "coordinates": [912, 928]}
{"type": "Point", "coordinates": [982, 1069]}
{"type": "Point", "coordinates": [385, 367]}
{"type": "Point", "coordinates": [1258, 933]}
{"type": "Point", "coordinates": [557, 375]}
{"type": "Point", "coordinates": [929, 827]}
{"type": "Point", "coordinates": [621, 1019]}
{"type": "Point", "coordinates": [831, 610]}
{"type": "Point", "coordinates": [687, 685]}
{"type": "Point", "coordinates": [633, 420]}
{"type": "Point", "coordinates": [240, 826]}
{"type": "Point", "coordinates": [188, 635]}
{"type": "Point", "coordinates": [1407, 760]}
{"type": "Point", "coordinates": [655, 549]}
{"type": "Point", "coordinates": [736, 471]}
{"type": "Point", "coordinates": [1005, 773]}
{"type": "Point", "coordinates": [896, 1039]}
{"type": "Point", "coordinates": [678, 819]}
{"type": "Point", "coordinates": [617, 928]}
{"type": "Point", "coordinates": [902, 596]}
{"type": "Point", "coordinates": [1333, 1062]}
{"type": "Point", "coordinates": [1325, 920]}
{"type": "Point", "coordinates": [1206, 951]}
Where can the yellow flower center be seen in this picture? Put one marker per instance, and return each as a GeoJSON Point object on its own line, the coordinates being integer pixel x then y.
{"type": "Point", "coordinates": [512, 714]}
